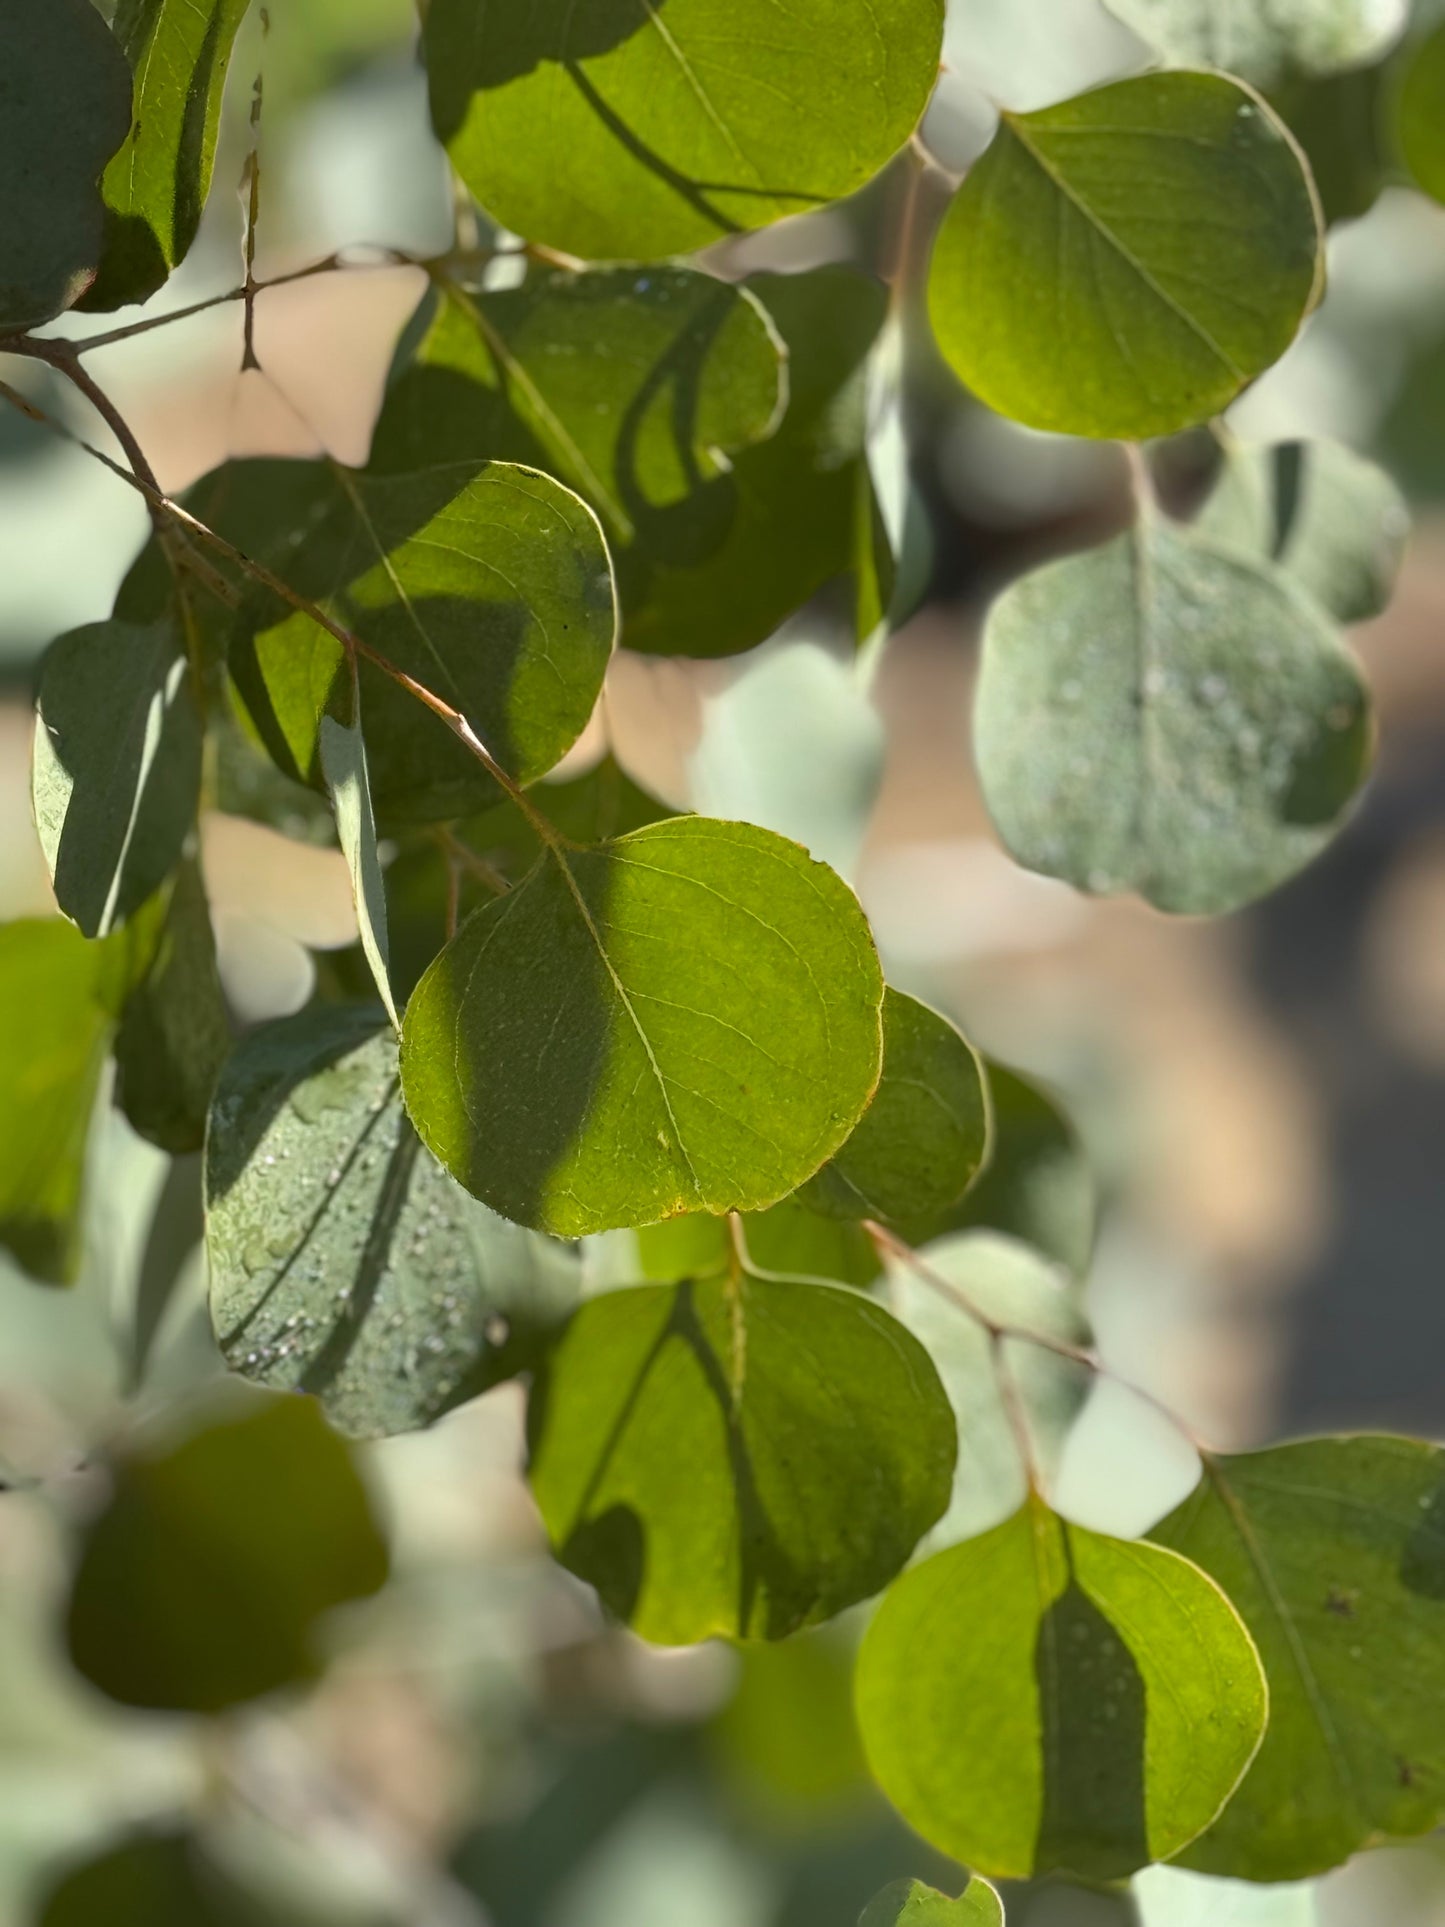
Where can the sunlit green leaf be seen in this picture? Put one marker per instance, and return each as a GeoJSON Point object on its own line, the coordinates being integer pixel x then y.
{"type": "Point", "coordinates": [117, 767]}
{"type": "Point", "coordinates": [1163, 716]}
{"type": "Point", "coordinates": [1332, 520]}
{"type": "Point", "coordinates": [1333, 1550]}
{"type": "Point", "coordinates": [1125, 263]}
{"type": "Point", "coordinates": [1264, 42]}
{"type": "Point", "coordinates": [1045, 1699]}
{"type": "Point", "coordinates": [204, 1580]}
{"type": "Point", "coordinates": [788, 1240]}
{"type": "Point", "coordinates": [488, 583]}
{"type": "Point", "coordinates": [737, 1458]}
{"type": "Point", "coordinates": [341, 751]}
{"type": "Point", "coordinates": [1422, 114]}
{"type": "Point", "coordinates": [343, 1261]}
{"type": "Point", "coordinates": [156, 186]}
{"type": "Point", "coordinates": [64, 110]}
{"type": "Point", "coordinates": [628, 129]}
{"type": "Point", "coordinates": [908, 1903]}
{"type": "Point", "coordinates": [687, 1019]}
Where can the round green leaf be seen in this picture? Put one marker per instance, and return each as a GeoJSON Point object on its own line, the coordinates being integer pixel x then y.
{"type": "Point", "coordinates": [490, 584]}
{"type": "Point", "coordinates": [116, 775]}
{"type": "Point", "coordinates": [344, 1262]}
{"type": "Point", "coordinates": [1333, 1550]}
{"type": "Point", "coordinates": [922, 1140]}
{"type": "Point", "coordinates": [908, 1903]}
{"type": "Point", "coordinates": [147, 1880]}
{"type": "Point", "coordinates": [629, 129]}
{"type": "Point", "coordinates": [1264, 40]}
{"type": "Point", "coordinates": [1422, 114]}
{"type": "Point", "coordinates": [736, 1458]}
{"type": "Point", "coordinates": [1125, 263]}
{"type": "Point", "coordinates": [64, 110]}
{"type": "Point", "coordinates": [687, 1019]}
{"type": "Point", "coordinates": [204, 1580]}
{"type": "Point", "coordinates": [1044, 1699]}
{"type": "Point", "coordinates": [1162, 716]}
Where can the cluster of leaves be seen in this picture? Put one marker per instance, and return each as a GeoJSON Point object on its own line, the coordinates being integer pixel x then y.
{"type": "Point", "coordinates": [589, 1014]}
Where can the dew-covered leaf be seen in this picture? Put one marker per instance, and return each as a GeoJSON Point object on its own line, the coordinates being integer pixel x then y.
{"type": "Point", "coordinates": [1045, 1699]}
{"type": "Point", "coordinates": [1333, 1550]}
{"type": "Point", "coordinates": [156, 186]}
{"type": "Point", "coordinates": [1164, 716]}
{"type": "Point", "coordinates": [64, 110]}
{"type": "Point", "coordinates": [1421, 114]}
{"type": "Point", "coordinates": [630, 129]}
{"type": "Point", "coordinates": [344, 1262]}
{"type": "Point", "coordinates": [737, 1458]}
{"type": "Point", "coordinates": [1264, 42]}
{"type": "Point", "coordinates": [908, 1903]}
{"type": "Point", "coordinates": [341, 752]}
{"type": "Point", "coordinates": [116, 773]}
{"type": "Point", "coordinates": [687, 1019]}
{"type": "Point", "coordinates": [488, 583]}
{"type": "Point", "coordinates": [1124, 263]}
{"type": "Point", "coordinates": [204, 1580]}
{"type": "Point", "coordinates": [1330, 519]}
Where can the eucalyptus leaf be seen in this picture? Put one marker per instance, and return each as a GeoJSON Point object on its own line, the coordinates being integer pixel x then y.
{"type": "Point", "coordinates": [923, 1139]}
{"type": "Point", "coordinates": [1333, 1550]}
{"type": "Point", "coordinates": [686, 1019]}
{"type": "Point", "coordinates": [64, 110]}
{"type": "Point", "coordinates": [908, 1903]}
{"type": "Point", "coordinates": [787, 1241]}
{"type": "Point", "coordinates": [1342, 122]}
{"type": "Point", "coordinates": [1125, 263]}
{"type": "Point", "coordinates": [343, 1261]}
{"type": "Point", "coordinates": [116, 774]}
{"type": "Point", "coordinates": [1263, 43]}
{"type": "Point", "coordinates": [204, 1580]}
{"type": "Point", "coordinates": [1044, 1699]}
{"type": "Point", "coordinates": [341, 750]}
{"type": "Point", "coordinates": [151, 1879]}
{"type": "Point", "coordinates": [1330, 519]}
{"type": "Point", "coordinates": [488, 583]}
{"type": "Point", "coordinates": [629, 129]}
{"type": "Point", "coordinates": [1164, 716]}
{"type": "Point", "coordinates": [1421, 114]}
{"type": "Point", "coordinates": [808, 1446]}
{"type": "Point", "coordinates": [156, 186]}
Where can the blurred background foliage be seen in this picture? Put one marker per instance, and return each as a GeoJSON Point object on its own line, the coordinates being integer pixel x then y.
{"type": "Point", "coordinates": [1263, 1100]}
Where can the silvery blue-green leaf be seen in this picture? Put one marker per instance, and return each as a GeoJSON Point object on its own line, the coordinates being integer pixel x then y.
{"type": "Point", "coordinates": [344, 1262]}
{"type": "Point", "coordinates": [64, 110]}
{"type": "Point", "coordinates": [1171, 1897]}
{"type": "Point", "coordinates": [1330, 519]}
{"type": "Point", "coordinates": [1165, 716]}
{"type": "Point", "coordinates": [1262, 41]}
{"type": "Point", "coordinates": [1124, 264]}
{"type": "Point", "coordinates": [1044, 1699]}
{"type": "Point", "coordinates": [629, 131]}
{"type": "Point", "coordinates": [116, 775]}
{"type": "Point", "coordinates": [686, 1019]}
{"type": "Point", "coordinates": [736, 1458]}
{"type": "Point", "coordinates": [341, 749]}
{"type": "Point", "coordinates": [1421, 114]}
{"type": "Point", "coordinates": [908, 1903]}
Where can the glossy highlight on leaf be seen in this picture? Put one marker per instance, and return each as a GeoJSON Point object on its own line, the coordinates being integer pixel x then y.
{"type": "Point", "coordinates": [1045, 1699]}
{"type": "Point", "coordinates": [1264, 41]}
{"type": "Point", "coordinates": [1124, 264]}
{"type": "Point", "coordinates": [669, 124]}
{"type": "Point", "coordinates": [808, 1446]}
{"type": "Point", "coordinates": [908, 1903]}
{"type": "Point", "coordinates": [686, 1019]}
{"type": "Point", "coordinates": [1169, 717]}
{"type": "Point", "coordinates": [343, 1261]}
{"type": "Point", "coordinates": [1333, 1551]}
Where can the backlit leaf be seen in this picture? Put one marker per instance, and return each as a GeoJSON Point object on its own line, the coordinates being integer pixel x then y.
{"type": "Point", "coordinates": [667, 124]}
{"type": "Point", "coordinates": [788, 1240]}
{"type": "Point", "coordinates": [737, 1458]}
{"type": "Point", "coordinates": [1163, 716]}
{"type": "Point", "coordinates": [344, 1262]}
{"type": "Point", "coordinates": [908, 1903]}
{"type": "Point", "coordinates": [687, 1019]}
{"type": "Point", "coordinates": [341, 750]}
{"type": "Point", "coordinates": [1045, 1699]}
{"type": "Point", "coordinates": [1263, 43]}
{"type": "Point", "coordinates": [1333, 1550]}
{"type": "Point", "coordinates": [1125, 263]}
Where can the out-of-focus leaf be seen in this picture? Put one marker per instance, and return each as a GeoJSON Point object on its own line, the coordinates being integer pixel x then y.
{"type": "Point", "coordinates": [1044, 1699]}
{"type": "Point", "coordinates": [622, 132]}
{"type": "Point", "coordinates": [1263, 43]}
{"type": "Point", "coordinates": [1123, 264]}
{"type": "Point", "coordinates": [1422, 114]}
{"type": "Point", "coordinates": [344, 1262]}
{"type": "Point", "coordinates": [737, 1458]}
{"type": "Point", "coordinates": [908, 1903]}
{"type": "Point", "coordinates": [148, 1880]}
{"type": "Point", "coordinates": [1164, 716]}
{"type": "Point", "coordinates": [1343, 124]}
{"type": "Point", "coordinates": [175, 1035]}
{"type": "Point", "coordinates": [787, 1738]}
{"type": "Point", "coordinates": [578, 1066]}
{"type": "Point", "coordinates": [204, 1580]}
{"type": "Point", "coordinates": [341, 752]}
